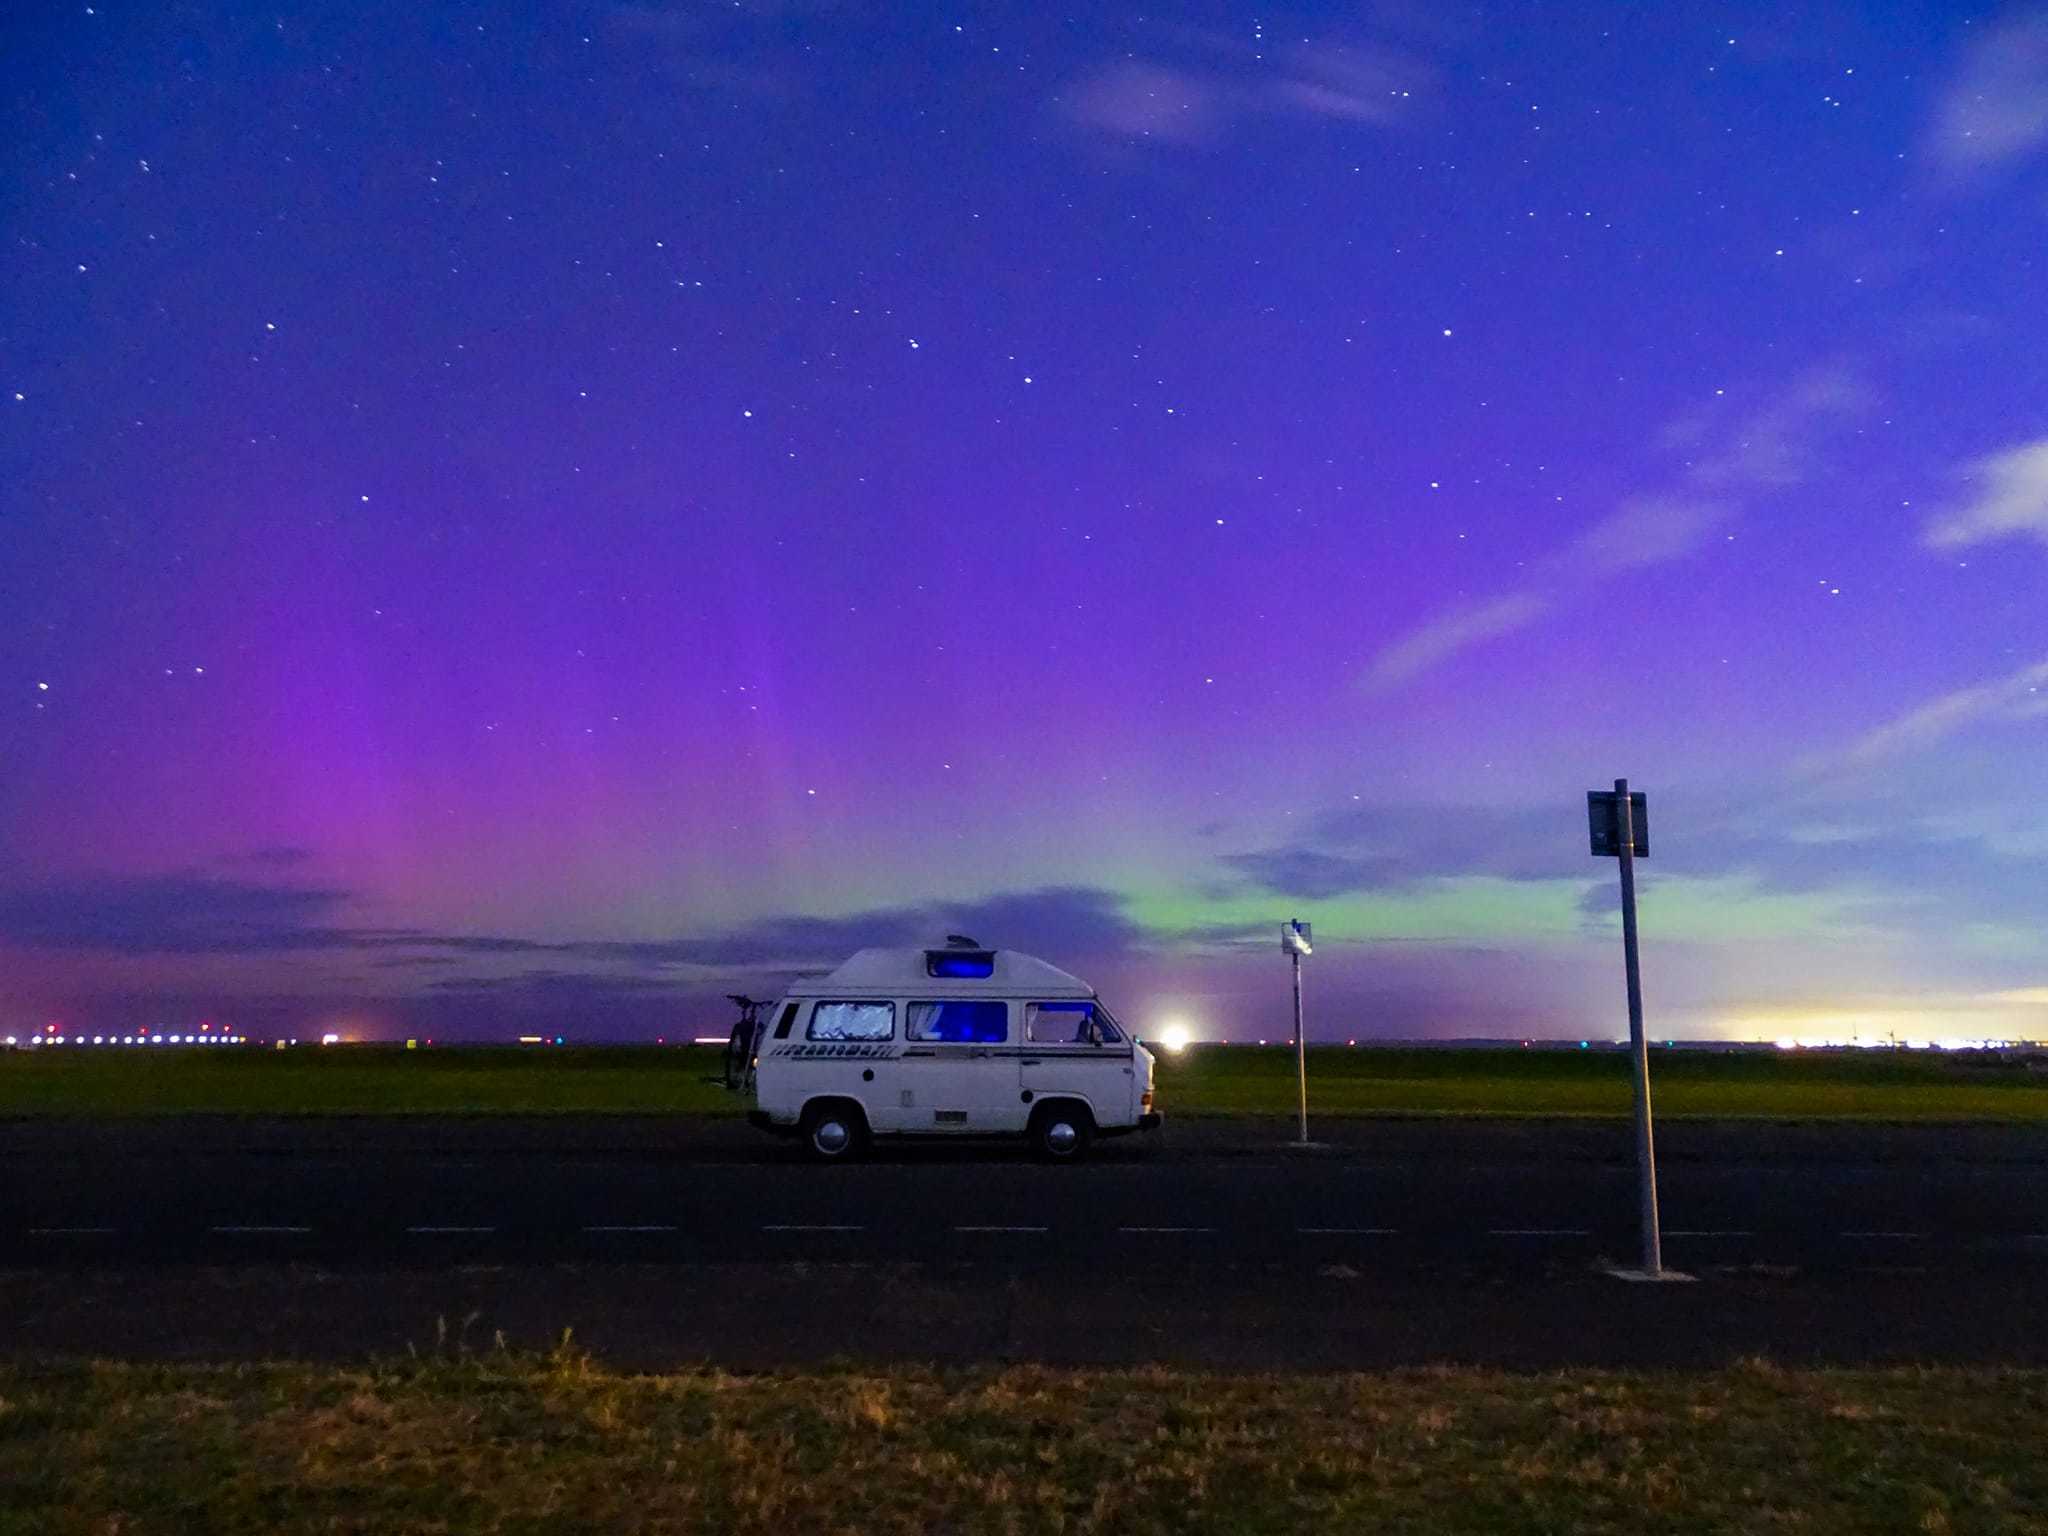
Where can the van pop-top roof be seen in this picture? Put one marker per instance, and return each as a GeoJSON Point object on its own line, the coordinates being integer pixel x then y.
{"type": "Point", "coordinates": [957, 968]}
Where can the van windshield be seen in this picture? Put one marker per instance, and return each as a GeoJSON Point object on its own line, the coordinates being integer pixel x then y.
{"type": "Point", "coordinates": [1075, 1022]}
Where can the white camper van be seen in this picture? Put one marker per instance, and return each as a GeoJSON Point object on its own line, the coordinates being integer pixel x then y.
{"type": "Point", "coordinates": [957, 1040]}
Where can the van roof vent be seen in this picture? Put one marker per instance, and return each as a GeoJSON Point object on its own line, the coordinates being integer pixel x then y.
{"type": "Point", "coordinates": [961, 941]}
{"type": "Point", "coordinates": [958, 963]}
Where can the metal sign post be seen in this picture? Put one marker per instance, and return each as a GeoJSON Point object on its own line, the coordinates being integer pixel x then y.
{"type": "Point", "coordinates": [1294, 939]}
{"type": "Point", "coordinates": [1620, 829]}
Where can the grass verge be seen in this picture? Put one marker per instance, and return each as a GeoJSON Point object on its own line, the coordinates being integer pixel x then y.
{"type": "Point", "coordinates": [505, 1443]}
{"type": "Point", "coordinates": [1211, 1081]}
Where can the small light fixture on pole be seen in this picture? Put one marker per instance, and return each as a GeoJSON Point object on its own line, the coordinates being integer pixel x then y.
{"type": "Point", "coordinates": [1294, 940]}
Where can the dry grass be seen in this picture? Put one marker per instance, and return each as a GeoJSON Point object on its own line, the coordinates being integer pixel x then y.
{"type": "Point", "coordinates": [516, 1444]}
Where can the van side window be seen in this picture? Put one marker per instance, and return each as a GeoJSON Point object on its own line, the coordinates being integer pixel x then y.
{"type": "Point", "coordinates": [1065, 1023]}
{"type": "Point", "coordinates": [852, 1021]}
{"type": "Point", "coordinates": [959, 1022]}
{"type": "Point", "coordinates": [782, 1024]}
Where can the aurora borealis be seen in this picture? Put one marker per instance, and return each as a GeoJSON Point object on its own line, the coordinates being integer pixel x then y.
{"type": "Point", "coordinates": [540, 513]}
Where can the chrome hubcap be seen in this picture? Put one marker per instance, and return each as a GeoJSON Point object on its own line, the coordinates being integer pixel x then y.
{"type": "Point", "coordinates": [831, 1136]}
{"type": "Point", "coordinates": [1061, 1136]}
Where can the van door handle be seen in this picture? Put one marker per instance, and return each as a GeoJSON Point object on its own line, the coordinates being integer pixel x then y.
{"type": "Point", "coordinates": [1031, 1061]}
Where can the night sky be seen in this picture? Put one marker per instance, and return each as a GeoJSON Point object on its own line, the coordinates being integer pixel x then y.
{"type": "Point", "coordinates": [543, 515]}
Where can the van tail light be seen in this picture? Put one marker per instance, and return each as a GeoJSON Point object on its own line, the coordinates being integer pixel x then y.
{"type": "Point", "coordinates": [1145, 1099]}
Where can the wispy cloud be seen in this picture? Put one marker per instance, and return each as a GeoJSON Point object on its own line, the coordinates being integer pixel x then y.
{"type": "Point", "coordinates": [168, 914]}
{"type": "Point", "coordinates": [1383, 847]}
{"type": "Point", "coordinates": [1444, 636]}
{"type": "Point", "coordinates": [1776, 446]}
{"type": "Point", "coordinates": [735, 49]}
{"type": "Point", "coordinates": [2016, 695]}
{"type": "Point", "coordinates": [1148, 102]}
{"type": "Point", "coordinates": [181, 914]}
{"type": "Point", "coordinates": [1808, 859]}
{"type": "Point", "coordinates": [276, 856]}
{"type": "Point", "coordinates": [1355, 83]}
{"type": "Point", "coordinates": [1647, 530]}
{"type": "Point", "coordinates": [2013, 500]}
{"type": "Point", "coordinates": [1216, 80]}
{"type": "Point", "coordinates": [1993, 111]}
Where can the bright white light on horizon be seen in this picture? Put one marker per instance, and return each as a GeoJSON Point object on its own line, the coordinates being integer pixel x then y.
{"type": "Point", "coordinates": [1175, 1036]}
{"type": "Point", "coordinates": [330, 1039]}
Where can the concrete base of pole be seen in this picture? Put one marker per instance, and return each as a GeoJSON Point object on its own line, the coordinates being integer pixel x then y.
{"type": "Point", "coordinates": [1305, 1146]}
{"type": "Point", "coordinates": [1644, 1277]}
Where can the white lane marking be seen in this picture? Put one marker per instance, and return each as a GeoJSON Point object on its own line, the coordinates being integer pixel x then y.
{"type": "Point", "coordinates": [1347, 1231]}
{"type": "Point", "coordinates": [647, 1227]}
{"type": "Point", "coordinates": [71, 1231]}
{"type": "Point", "coordinates": [258, 1231]}
{"type": "Point", "coordinates": [437, 1231]}
{"type": "Point", "coordinates": [1896, 1236]}
{"type": "Point", "coordinates": [797, 1226]}
{"type": "Point", "coordinates": [1708, 1232]}
{"type": "Point", "coordinates": [1537, 1232]}
{"type": "Point", "coordinates": [1166, 1229]}
{"type": "Point", "coordinates": [1002, 1229]}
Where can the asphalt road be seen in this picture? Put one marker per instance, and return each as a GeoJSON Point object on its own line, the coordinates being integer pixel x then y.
{"type": "Point", "coordinates": [1494, 1194]}
{"type": "Point", "coordinates": [656, 1241]}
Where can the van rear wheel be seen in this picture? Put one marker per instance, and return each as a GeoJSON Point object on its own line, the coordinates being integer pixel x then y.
{"type": "Point", "coordinates": [1060, 1132]}
{"type": "Point", "coordinates": [834, 1132]}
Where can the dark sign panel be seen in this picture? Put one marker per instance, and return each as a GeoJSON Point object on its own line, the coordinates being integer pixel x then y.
{"type": "Point", "coordinates": [1600, 817]}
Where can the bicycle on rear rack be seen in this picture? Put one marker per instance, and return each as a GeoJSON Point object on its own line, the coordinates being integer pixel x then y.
{"type": "Point", "coordinates": [739, 1046]}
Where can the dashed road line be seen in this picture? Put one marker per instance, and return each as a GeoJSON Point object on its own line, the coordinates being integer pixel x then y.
{"type": "Point", "coordinates": [1708, 1232]}
{"type": "Point", "coordinates": [1538, 1232]}
{"type": "Point", "coordinates": [634, 1227]}
{"type": "Point", "coordinates": [446, 1231]}
{"type": "Point", "coordinates": [1886, 1236]}
{"type": "Point", "coordinates": [1002, 1229]}
{"type": "Point", "coordinates": [1165, 1229]}
{"type": "Point", "coordinates": [1346, 1231]}
{"type": "Point", "coordinates": [798, 1226]}
{"type": "Point", "coordinates": [256, 1231]}
{"type": "Point", "coordinates": [71, 1231]}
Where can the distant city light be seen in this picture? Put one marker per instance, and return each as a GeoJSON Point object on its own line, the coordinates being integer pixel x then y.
{"type": "Point", "coordinates": [1174, 1036]}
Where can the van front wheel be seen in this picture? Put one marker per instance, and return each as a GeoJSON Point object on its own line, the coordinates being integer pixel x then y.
{"type": "Point", "coordinates": [834, 1132]}
{"type": "Point", "coordinates": [1060, 1133]}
